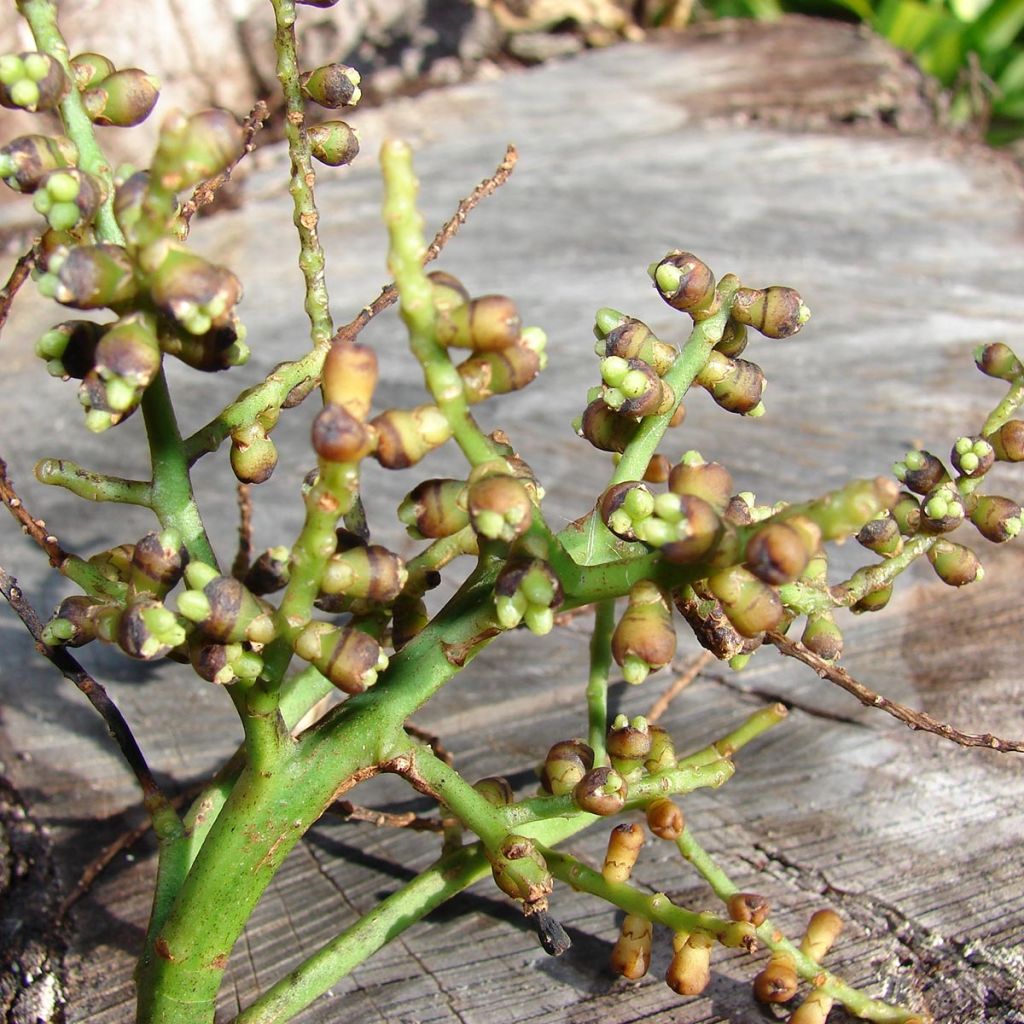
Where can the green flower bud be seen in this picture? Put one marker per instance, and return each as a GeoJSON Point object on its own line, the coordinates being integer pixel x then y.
{"type": "Point", "coordinates": [906, 513]}
{"type": "Point", "coordinates": [997, 519]}
{"type": "Point", "coordinates": [223, 609]}
{"type": "Point", "coordinates": [882, 535]}
{"type": "Point", "coordinates": [253, 454]}
{"type": "Point", "coordinates": [920, 472]}
{"type": "Point", "coordinates": [527, 590]}
{"type": "Point", "coordinates": [631, 954]}
{"type": "Point", "coordinates": [842, 513]}
{"type": "Point", "coordinates": [367, 572]}
{"type": "Point", "coordinates": [92, 276]}
{"type": "Point", "coordinates": [698, 533]}
{"type": "Point", "coordinates": [348, 657]}
{"type": "Point", "coordinates": [875, 601]}
{"type": "Point", "coordinates": [662, 755]}
{"type": "Point", "coordinates": [777, 553]}
{"type": "Point", "coordinates": [70, 348]}
{"type": "Point", "coordinates": [193, 149]}
{"type": "Point", "coordinates": [823, 637]}
{"type": "Point", "coordinates": [632, 339]}
{"type": "Point", "coordinates": [735, 384]}
{"type": "Point", "coordinates": [751, 605]}
{"type": "Point", "coordinates": [640, 391]}
{"type": "Point", "coordinates": [122, 99]}
{"type": "Point", "coordinates": [404, 436]}
{"type": "Point", "coordinates": [734, 339]}
{"type": "Point", "coordinates": [126, 361]}
{"type": "Point", "coordinates": [685, 283]}
{"type": "Point", "coordinates": [147, 630]}
{"type": "Point", "coordinates": [334, 143]}
{"type": "Point", "coordinates": [129, 198]}
{"type": "Point", "coordinates": [496, 790]}
{"type": "Point", "coordinates": [448, 291]}
{"type": "Point", "coordinates": [1008, 441]}
{"type": "Point", "coordinates": [485, 324]}
{"type": "Point", "coordinates": [623, 506]}
{"type": "Point", "coordinates": [114, 564]}
{"type": "Point", "coordinates": [198, 294]}
{"type": "Point", "coordinates": [644, 639]}
{"type": "Point", "coordinates": [31, 81]}
{"type": "Point", "coordinates": [499, 508]}
{"type": "Point", "coordinates": [28, 159]}
{"type": "Point", "coordinates": [972, 456]}
{"type": "Point", "coordinates": [942, 509]}
{"type": "Point", "coordinates": [76, 621]}
{"type": "Point", "coordinates": [605, 429]}
{"type": "Point", "coordinates": [601, 791]}
{"type": "Point", "coordinates": [270, 572]}
{"type": "Point", "coordinates": [158, 561]}
{"type": "Point", "coordinates": [520, 871]}
{"type": "Point", "coordinates": [223, 664]}
{"type": "Point", "coordinates": [628, 745]}
{"type": "Point", "coordinates": [708, 480]}
{"type": "Point", "coordinates": [91, 69]}
{"type": "Point", "coordinates": [499, 372]}
{"type": "Point", "coordinates": [434, 508]}
{"type": "Point", "coordinates": [567, 762]}
{"type": "Point", "coordinates": [998, 360]}
{"type": "Point", "coordinates": [776, 312]}
{"type": "Point", "coordinates": [219, 348]}
{"type": "Point", "coordinates": [954, 564]}
{"type": "Point", "coordinates": [332, 86]}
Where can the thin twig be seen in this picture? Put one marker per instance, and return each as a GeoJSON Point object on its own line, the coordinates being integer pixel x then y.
{"type": "Point", "coordinates": [385, 819]}
{"type": "Point", "coordinates": [433, 741]}
{"type": "Point", "coordinates": [243, 556]}
{"type": "Point", "coordinates": [389, 293]}
{"type": "Point", "coordinates": [680, 683]}
{"type": "Point", "coordinates": [19, 275]}
{"type": "Point", "coordinates": [34, 528]}
{"type": "Point", "coordinates": [917, 720]}
{"type": "Point", "coordinates": [94, 691]}
{"type": "Point", "coordinates": [206, 191]}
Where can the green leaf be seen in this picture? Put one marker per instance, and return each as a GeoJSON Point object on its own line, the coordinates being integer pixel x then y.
{"type": "Point", "coordinates": [999, 26]}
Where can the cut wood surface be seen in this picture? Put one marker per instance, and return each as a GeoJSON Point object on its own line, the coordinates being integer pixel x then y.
{"type": "Point", "coordinates": [907, 248]}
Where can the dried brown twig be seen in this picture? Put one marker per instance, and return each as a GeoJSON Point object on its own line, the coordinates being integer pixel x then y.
{"type": "Point", "coordinates": [33, 528]}
{"type": "Point", "coordinates": [680, 683]}
{"type": "Point", "coordinates": [918, 720]}
{"type": "Point", "coordinates": [19, 275]}
{"type": "Point", "coordinates": [243, 556]}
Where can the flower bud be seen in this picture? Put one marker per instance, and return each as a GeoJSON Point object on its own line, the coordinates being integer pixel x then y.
{"type": "Point", "coordinates": [998, 360]}
{"type": "Point", "coordinates": [709, 623]}
{"type": "Point", "coordinates": [751, 605]}
{"type": "Point", "coordinates": [368, 572]}
{"type": "Point", "coordinates": [1008, 441]}
{"type": "Point", "coordinates": [778, 982]}
{"type": "Point", "coordinates": [499, 508]}
{"type": "Point", "coordinates": [93, 276]}
{"type": "Point", "coordinates": [606, 429]}
{"type": "Point", "coordinates": [447, 291]}
{"type": "Point", "coordinates": [628, 745]}
{"type": "Point", "coordinates": [631, 954]}
{"type": "Point", "coordinates": [823, 637]}
{"type": "Point", "coordinates": [223, 664]}
{"type": "Point", "coordinates": [972, 456]}
{"type": "Point", "coordinates": [26, 160]}
{"type": "Point", "coordinates": [689, 972]}
{"type": "Point", "coordinates": [332, 86]}
{"type": "Point", "coordinates": [708, 480]}
{"type": "Point", "coordinates": [624, 846]}
{"type": "Point", "coordinates": [521, 872]}
{"type": "Point", "coordinates": [697, 534]}
{"type": "Point", "coordinates": [350, 377]}
{"type": "Point", "coordinates": [527, 590]}
{"type": "Point", "coordinates": [881, 535]}
{"type": "Point", "coordinates": [123, 99]}
{"type": "Point", "coordinates": [76, 621]}
{"type": "Point", "coordinates": [997, 519]}
{"type": "Point", "coordinates": [197, 293]}
{"type": "Point", "coordinates": [408, 618]}
{"type": "Point", "coordinates": [665, 819]}
{"type": "Point", "coordinates": [601, 791]}
{"type": "Point", "coordinates": [126, 361]}
{"type": "Point", "coordinates": [31, 81]}
{"type": "Point", "coordinates": [499, 372]}
{"type": "Point", "coordinates": [735, 384]}
{"type": "Point", "coordinates": [624, 505]}
{"type": "Point", "coordinates": [632, 339]}
{"type": "Point", "coordinates": [219, 348]}
{"type": "Point", "coordinates": [567, 762]}
{"type": "Point", "coordinates": [158, 561]}
{"type": "Point", "coordinates": [114, 564]}
{"type": "Point", "coordinates": [920, 472]}
{"type": "Point", "coordinates": [434, 508]}
{"type": "Point", "coordinates": [193, 149]}
{"type": "Point", "coordinates": [734, 339]}
{"type": "Point", "coordinates": [70, 348]}
{"type": "Point", "coordinates": [485, 324]}
{"type": "Point", "coordinates": [90, 69]}
{"type": "Point", "coordinates": [637, 390]}
{"type": "Point", "coordinates": [270, 572]}
{"type": "Point", "coordinates": [777, 554]}
{"type": "Point", "coordinates": [662, 755]}
{"type": "Point", "coordinates": [348, 657]}
{"type": "Point", "coordinates": [222, 608]}
{"type": "Point", "coordinates": [822, 930]}
{"type": "Point", "coordinates": [658, 469]}
{"type": "Point", "coordinates": [776, 312]}
{"type": "Point", "coordinates": [748, 907]}
{"type": "Point", "coordinates": [496, 790]}
{"type": "Point", "coordinates": [685, 282]}
{"type": "Point", "coordinates": [814, 1009]}
{"type": "Point", "coordinates": [148, 630]}
{"type": "Point", "coordinates": [942, 509]}
{"type": "Point", "coordinates": [954, 564]}
{"type": "Point", "coordinates": [906, 513]}
{"type": "Point", "coordinates": [644, 639]}
{"type": "Point", "coordinates": [333, 143]}
{"type": "Point", "coordinates": [253, 454]}
{"type": "Point", "coordinates": [339, 437]}
{"type": "Point", "coordinates": [404, 436]}
{"type": "Point", "coordinates": [68, 198]}
{"type": "Point", "coordinates": [843, 512]}
{"type": "Point", "coordinates": [874, 601]}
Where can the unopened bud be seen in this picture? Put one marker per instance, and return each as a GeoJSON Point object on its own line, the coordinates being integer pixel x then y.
{"type": "Point", "coordinates": [998, 360]}
{"type": "Point", "coordinates": [997, 519]}
{"type": "Point", "coordinates": [775, 311]}
{"type": "Point", "coordinates": [348, 657]}
{"type": "Point", "coordinates": [684, 282]}
{"type": "Point", "coordinates": [122, 99]}
{"type": "Point", "coordinates": [404, 436]}
{"type": "Point", "coordinates": [334, 143]}
{"type": "Point", "coordinates": [26, 160]}
{"type": "Point", "coordinates": [31, 81]}
{"type": "Point", "coordinates": [920, 471]}
{"type": "Point", "coordinates": [631, 954]}
{"type": "Point", "coordinates": [665, 819]}
{"type": "Point", "coordinates": [752, 606]}
{"type": "Point", "coordinates": [822, 930]}
{"type": "Point", "coordinates": [349, 377]}
{"type": "Point", "coordinates": [601, 791]}
{"type": "Point", "coordinates": [567, 762]}
{"type": "Point", "coordinates": [624, 845]}
{"type": "Point", "coordinates": [954, 564]}
{"type": "Point", "coordinates": [332, 86]}
{"type": "Point", "coordinates": [689, 972]}
{"type": "Point", "coordinates": [778, 982]}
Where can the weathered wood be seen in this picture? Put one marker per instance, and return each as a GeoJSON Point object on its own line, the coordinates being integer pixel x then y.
{"type": "Point", "coordinates": [908, 251]}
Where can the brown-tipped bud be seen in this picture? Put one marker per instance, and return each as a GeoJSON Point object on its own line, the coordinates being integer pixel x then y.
{"type": "Point", "coordinates": [658, 469]}
{"type": "Point", "coordinates": [665, 819]}
{"type": "Point", "coordinates": [158, 560]}
{"type": "Point", "coordinates": [253, 455]}
{"type": "Point", "coordinates": [122, 99]}
{"type": "Point", "coordinates": [997, 519]}
{"type": "Point", "coordinates": [631, 954]}
{"type": "Point", "coordinates": [685, 282]}
{"type": "Point", "coordinates": [447, 291]}
{"type": "Point", "coordinates": [751, 605]}
{"type": "Point", "coordinates": [624, 504]}
{"type": "Point", "coordinates": [734, 339]}
{"type": "Point", "coordinates": [435, 508]}
{"type": "Point", "coordinates": [408, 618]}
{"type": "Point", "coordinates": [632, 339]}
{"type": "Point", "coordinates": [920, 472]}
{"type": "Point", "coordinates": [710, 625]}
{"type": "Point", "coordinates": [605, 429]}
{"type": "Point", "coordinates": [624, 846]}
{"type": "Point", "coordinates": [735, 384]}
{"type": "Point", "coordinates": [689, 973]}
{"type": "Point", "coordinates": [339, 437]}
{"type": "Point", "coordinates": [499, 508]}
{"type": "Point", "coordinates": [739, 511]}
{"type": "Point", "coordinates": [520, 871]}
{"type": "Point", "coordinates": [822, 930]}
{"type": "Point", "coordinates": [114, 563]}
{"type": "Point", "coordinates": [31, 81]}
{"type": "Point", "coordinates": [775, 311]}
{"type": "Point", "coordinates": [485, 324]}
{"type": "Point", "coordinates": [874, 601]}
{"type": "Point", "coordinates": [601, 791]}
{"type": "Point", "coordinates": [972, 456]}
{"type": "Point", "coordinates": [641, 393]}
{"type": "Point", "coordinates": [223, 663]}
{"type": "Point", "coordinates": [90, 69]}
{"type": "Point", "coordinates": [333, 143]}
{"type": "Point", "coordinates": [404, 436]}
{"type": "Point", "coordinates": [350, 377]}
{"type": "Point", "coordinates": [814, 1009]}
{"type": "Point", "coordinates": [367, 572]}
{"type": "Point", "coordinates": [823, 637]}
{"type": "Point", "coordinates": [270, 572]}
{"type": "Point", "coordinates": [75, 621]}
{"type": "Point", "coordinates": [998, 360]}
{"type": "Point", "coordinates": [708, 480]}
{"type": "Point", "coordinates": [222, 608]}
{"type": "Point", "coordinates": [197, 293]}
{"type": "Point", "coordinates": [332, 86]}
{"type": "Point", "coordinates": [954, 564]}
{"type": "Point", "coordinates": [348, 657]}
{"type": "Point", "coordinates": [942, 509]}
{"type": "Point", "coordinates": [68, 198]}
{"type": "Point", "coordinates": [704, 531]}
{"type": "Point", "coordinates": [565, 765]}
{"type": "Point", "coordinates": [881, 536]}
{"type": "Point", "coordinates": [147, 630]}
{"type": "Point", "coordinates": [906, 513]}
{"type": "Point", "coordinates": [70, 348]}
{"type": "Point", "coordinates": [778, 982]}
{"type": "Point", "coordinates": [662, 755]}
{"type": "Point", "coordinates": [748, 907]}
{"type": "Point", "coordinates": [1008, 441]}
{"type": "Point", "coordinates": [499, 372]}
{"type": "Point", "coordinates": [644, 639]}
{"type": "Point", "coordinates": [93, 276]}
{"type": "Point", "coordinates": [628, 744]}
{"type": "Point", "coordinates": [26, 160]}
{"type": "Point", "coordinates": [777, 554]}
{"type": "Point", "coordinates": [496, 790]}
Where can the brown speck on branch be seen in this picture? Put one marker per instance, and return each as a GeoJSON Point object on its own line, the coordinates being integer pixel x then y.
{"type": "Point", "coordinates": [918, 720]}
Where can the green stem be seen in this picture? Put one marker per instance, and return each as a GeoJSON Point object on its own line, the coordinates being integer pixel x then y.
{"type": "Point", "coordinates": [855, 1001]}
{"type": "Point", "coordinates": [1006, 408]}
{"type": "Point", "coordinates": [597, 683]}
{"type": "Point", "coordinates": [405, 260]}
{"type": "Point", "coordinates": [93, 486]}
{"type": "Point", "coordinates": [874, 577]}
{"type": "Point", "coordinates": [41, 16]}
{"type": "Point", "coordinates": [725, 746]}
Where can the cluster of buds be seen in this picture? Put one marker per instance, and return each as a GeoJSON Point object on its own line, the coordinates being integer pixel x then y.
{"type": "Point", "coordinates": [31, 81]}
{"type": "Point", "coordinates": [528, 591]}
{"type": "Point", "coordinates": [333, 86]}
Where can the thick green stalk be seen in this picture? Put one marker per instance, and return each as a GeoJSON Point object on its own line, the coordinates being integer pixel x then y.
{"type": "Point", "coordinates": [855, 1001]}
{"type": "Point", "coordinates": [597, 682]}
{"type": "Point", "coordinates": [1006, 408]}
